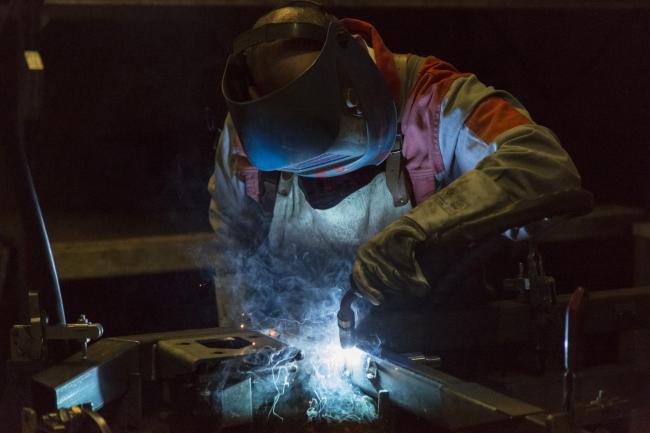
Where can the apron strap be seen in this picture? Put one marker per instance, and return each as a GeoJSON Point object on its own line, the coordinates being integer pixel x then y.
{"type": "Point", "coordinates": [269, 181]}
{"type": "Point", "coordinates": [396, 180]}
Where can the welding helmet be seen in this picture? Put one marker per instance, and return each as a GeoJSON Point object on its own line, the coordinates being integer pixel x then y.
{"type": "Point", "coordinates": [335, 117]}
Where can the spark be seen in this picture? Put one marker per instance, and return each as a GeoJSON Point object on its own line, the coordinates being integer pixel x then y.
{"type": "Point", "coordinates": [280, 373]}
{"type": "Point", "coordinates": [294, 296]}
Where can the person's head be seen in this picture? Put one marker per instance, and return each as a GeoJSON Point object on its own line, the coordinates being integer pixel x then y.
{"type": "Point", "coordinates": [305, 97]}
{"type": "Point", "coordinates": [273, 65]}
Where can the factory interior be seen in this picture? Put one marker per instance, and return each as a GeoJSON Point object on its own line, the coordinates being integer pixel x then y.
{"type": "Point", "coordinates": [113, 301]}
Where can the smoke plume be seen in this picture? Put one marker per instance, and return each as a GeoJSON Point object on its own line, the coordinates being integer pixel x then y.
{"type": "Point", "coordinates": [294, 296]}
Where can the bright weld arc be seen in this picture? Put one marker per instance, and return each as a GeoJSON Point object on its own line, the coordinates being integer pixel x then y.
{"type": "Point", "coordinates": [334, 398]}
{"type": "Point", "coordinates": [300, 310]}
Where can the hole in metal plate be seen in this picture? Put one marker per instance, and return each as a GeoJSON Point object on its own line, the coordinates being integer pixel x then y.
{"type": "Point", "coordinates": [225, 343]}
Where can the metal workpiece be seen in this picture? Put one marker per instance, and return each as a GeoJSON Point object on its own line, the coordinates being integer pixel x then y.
{"type": "Point", "coordinates": [236, 404]}
{"type": "Point", "coordinates": [595, 413]}
{"type": "Point", "coordinates": [218, 373]}
{"type": "Point", "coordinates": [231, 377]}
{"type": "Point", "coordinates": [190, 354]}
{"type": "Point", "coordinates": [222, 374]}
{"type": "Point", "coordinates": [148, 346]}
{"type": "Point", "coordinates": [436, 396]}
{"type": "Point", "coordinates": [96, 379]}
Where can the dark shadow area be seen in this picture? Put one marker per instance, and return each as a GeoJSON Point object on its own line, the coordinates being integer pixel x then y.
{"type": "Point", "coordinates": [140, 304]}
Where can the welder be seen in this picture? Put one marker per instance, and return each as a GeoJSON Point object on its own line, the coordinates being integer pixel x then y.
{"type": "Point", "coordinates": [334, 141]}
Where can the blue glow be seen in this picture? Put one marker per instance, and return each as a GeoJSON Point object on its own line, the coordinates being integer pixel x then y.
{"type": "Point", "coordinates": [296, 299]}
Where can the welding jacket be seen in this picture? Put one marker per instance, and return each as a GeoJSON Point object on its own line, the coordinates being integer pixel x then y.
{"type": "Point", "coordinates": [469, 151]}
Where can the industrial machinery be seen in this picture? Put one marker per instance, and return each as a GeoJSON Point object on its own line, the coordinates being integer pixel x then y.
{"type": "Point", "coordinates": [531, 360]}
{"type": "Point", "coordinates": [216, 378]}
{"type": "Point", "coordinates": [495, 368]}
{"type": "Point", "coordinates": [527, 364]}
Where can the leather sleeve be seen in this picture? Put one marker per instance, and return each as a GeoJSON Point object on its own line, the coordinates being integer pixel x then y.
{"type": "Point", "coordinates": [494, 165]}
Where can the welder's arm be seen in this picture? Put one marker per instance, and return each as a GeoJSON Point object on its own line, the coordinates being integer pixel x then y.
{"type": "Point", "coordinates": [234, 216]}
{"type": "Point", "coordinates": [505, 173]}
{"type": "Point", "coordinates": [236, 220]}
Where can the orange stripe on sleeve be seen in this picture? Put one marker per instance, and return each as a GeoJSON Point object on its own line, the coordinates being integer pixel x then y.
{"type": "Point", "coordinates": [492, 117]}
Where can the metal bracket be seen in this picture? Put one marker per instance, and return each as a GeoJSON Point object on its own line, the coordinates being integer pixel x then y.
{"type": "Point", "coordinates": [28, 341]}
{"type": "Point", "coordinates": [535, 288]}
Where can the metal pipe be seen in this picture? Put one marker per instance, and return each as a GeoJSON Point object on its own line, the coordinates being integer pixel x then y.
{"type": "Point", "coordinates": [570, 349]}
{"type": "Point", "coordinates": [435, 396]}
{"type": "Point", "coordinates": [42, 274]}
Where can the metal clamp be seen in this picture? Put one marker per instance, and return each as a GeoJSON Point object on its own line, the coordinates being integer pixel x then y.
{"type": "Point", "coordinates": [28, 341]}
{"type": "Point", "coordinates": [536, 289]}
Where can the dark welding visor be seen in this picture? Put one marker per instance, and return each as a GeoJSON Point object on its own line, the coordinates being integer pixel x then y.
{"type": "Point", "coordinates": [304, 126]}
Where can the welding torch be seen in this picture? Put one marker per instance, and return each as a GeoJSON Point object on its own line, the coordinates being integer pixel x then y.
{"type": "Point", "coordinates": [345, 316]}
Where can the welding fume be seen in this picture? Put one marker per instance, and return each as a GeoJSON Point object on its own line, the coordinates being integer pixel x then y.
{"type": "Point", "coordinates": [351, 180]}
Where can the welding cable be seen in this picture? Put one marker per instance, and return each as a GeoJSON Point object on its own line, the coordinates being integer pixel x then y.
{"type": "Point", "coordinates": [41, 269]}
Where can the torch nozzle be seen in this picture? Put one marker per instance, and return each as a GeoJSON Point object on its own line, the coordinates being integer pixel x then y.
{"type": "Point", "coordinates": [346, 319]}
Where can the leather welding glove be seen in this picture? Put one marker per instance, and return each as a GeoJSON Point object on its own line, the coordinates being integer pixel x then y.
{"type": "Point", "coordinates": [386, 265]}
{"type": "Point", "coordinates": [387, 261]}
{"type": "Point", "coordinates": [478, 204]}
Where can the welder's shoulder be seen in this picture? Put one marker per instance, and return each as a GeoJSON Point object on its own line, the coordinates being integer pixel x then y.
{"type": "Point", "coordinates": [439, 80]}
{"type": "Point", "coordinates": [233, 214]}
{"type": "Point", "coordinates": [429, 76]}
{"type": "Point", "coordinates": [231, 161]}
{"type": "Point", "coordinates": [227, 185]}
{"type": "Point", "coordinates": [454, 97]}
{"type": "Point", "coordinates": [228, 147]}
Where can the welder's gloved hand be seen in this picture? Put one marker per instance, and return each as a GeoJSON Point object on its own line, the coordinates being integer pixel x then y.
{"type": "Point", "coordinates": [386, 264]}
